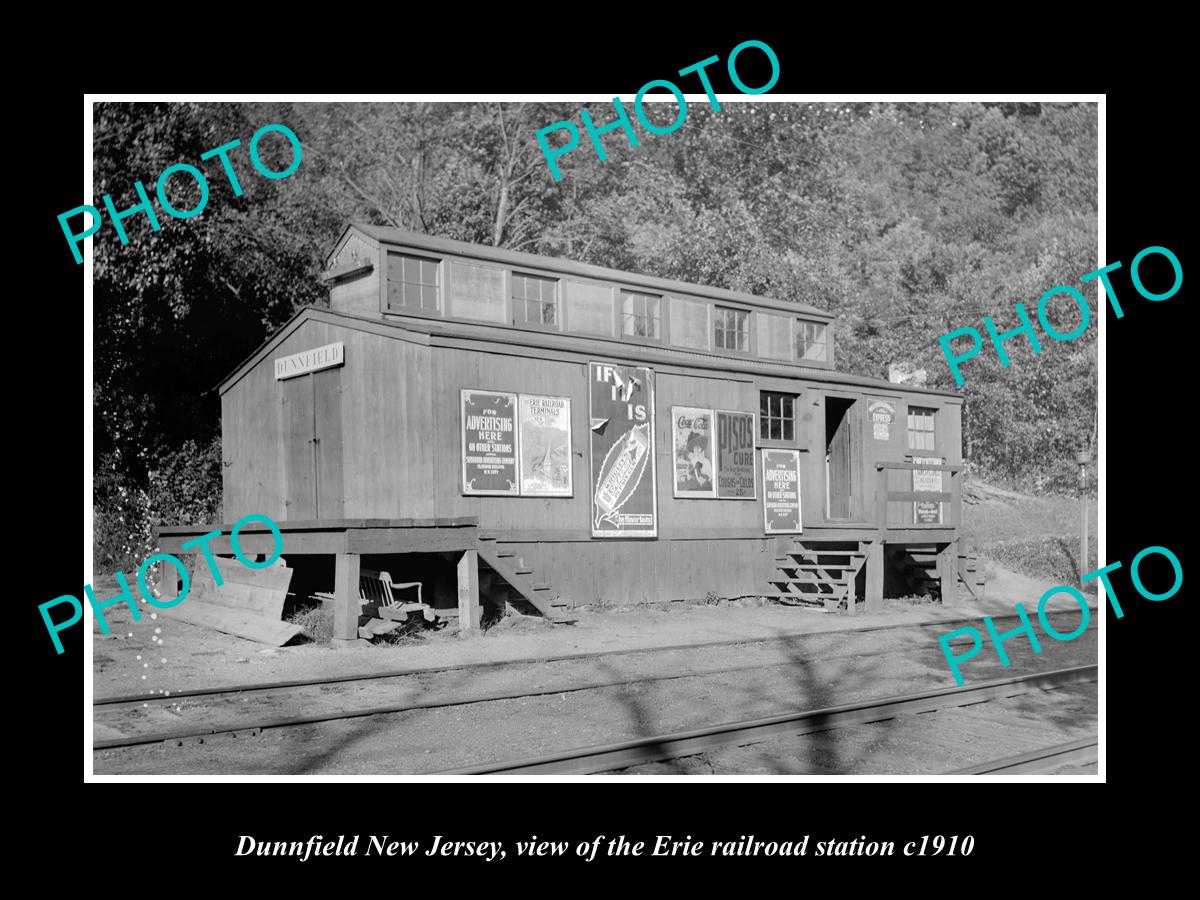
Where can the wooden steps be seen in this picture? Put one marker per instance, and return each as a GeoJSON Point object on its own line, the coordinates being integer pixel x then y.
{"type": "Point", "coordinates": [817, 574]}
{"type": "Point", "coordinates": [918, 566]}
{"type": "Point", "coordinates": [968, 574]}
{"type": "Point", "coordinates": [512, 580]}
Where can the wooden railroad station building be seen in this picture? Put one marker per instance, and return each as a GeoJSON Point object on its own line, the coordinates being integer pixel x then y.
{"type": "Point", "coordinates": [505, 428]}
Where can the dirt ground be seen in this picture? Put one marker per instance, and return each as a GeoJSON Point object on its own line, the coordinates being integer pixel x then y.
{"type": "Point", "coordinates": [442, 720]}
{"type": "Point", "coordinates": [160, 654]}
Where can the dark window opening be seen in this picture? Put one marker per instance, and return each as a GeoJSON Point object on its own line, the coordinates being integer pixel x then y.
{"type": "Point", "coordinates": [534, 300]}
{"type": "Point", "coordinates": [414, 282]}
{"type": "Point", "coordinates": [920, 428]}
{"type": "Point", "coordinates": [811, 341]}
{"type": "Point", "coordinates": [776, 416]}
{"type": "Point", "coordinates": [640, 315]}
{"type": "Point", "coordinates": [731, 329]}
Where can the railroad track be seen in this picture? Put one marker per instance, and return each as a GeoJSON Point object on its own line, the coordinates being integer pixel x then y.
{"type": "Point", "coordinates": [243, 721]}
{"type": "Point", "coordinates": [253, 728]}
{"type": "Point", "coordinates": [537, 660]}
{"type": "Point", "coordinates": [610, 757]}
{"type": "Point", "coordinates": [239, 724]}
{"type": "Point", "coordinates": [1039, 762]}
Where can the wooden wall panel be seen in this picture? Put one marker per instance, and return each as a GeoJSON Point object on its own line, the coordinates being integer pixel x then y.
{"type": "Point", "coordinates": [252, 470]}
{"type": "Point", "coordinates": [253, 417]}
{"type": "Point", "coordinates": [458, 369]}
{"type": "Point", "coordinates": [401, 443]}
{"type": "Point", "coordinates": [810, 434]}
{"type": "Point", "coordinates": [589, 307]}
{"type": "Point", "coordinates": [873, 451]}
{"type": "Point", "coordinates": [690, 326]}
{"type": "Point", "coordinates": [676, 517]}
{"type": "Point", "coordinates": [327, 416]}
{"type": "Point", "coordinates": [774, 336]}
{"type": "Point", "coordinates": [949, 432]}
{"type": "Point", "coordinates": [296, 433]}
{"type": "Point", "coordinates": [476, 292]}
{"type": "Point", "coordinates": [387, 432]}
{"type": "Point", "coordinates": [361, 295]}
{"type": "Point", "coordinates": [632, 571]}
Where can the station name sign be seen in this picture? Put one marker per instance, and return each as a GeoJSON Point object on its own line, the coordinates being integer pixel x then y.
{"type": "Point", "coordinates": [310, 361]}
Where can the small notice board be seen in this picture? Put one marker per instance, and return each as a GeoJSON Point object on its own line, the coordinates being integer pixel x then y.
{"type": "Point", "coordinates": [781, 491]}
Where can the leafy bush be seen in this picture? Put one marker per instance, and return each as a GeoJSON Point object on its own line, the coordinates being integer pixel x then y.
{"type": "Point", "coordinates": [121, 507]}
{"type": "Point", "coordinates": [183, 488]}
{"type": "Point", "coordinates": [185, 485]}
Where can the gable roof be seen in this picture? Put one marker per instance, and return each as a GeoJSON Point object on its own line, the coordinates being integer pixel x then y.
{"type": "Point", "coordinates": [442, 333]}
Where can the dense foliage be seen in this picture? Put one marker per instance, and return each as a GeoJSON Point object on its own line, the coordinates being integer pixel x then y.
{"type": "Point", "coordinates": [906, 220]}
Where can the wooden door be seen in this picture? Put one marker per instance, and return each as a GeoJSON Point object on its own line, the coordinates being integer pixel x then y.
{"type": "Point", "coordinates": [839, 468]}
{"type": "Point", "coordinates": [327, 434]}
{"type": "Point", "coordinates": [299, 459]}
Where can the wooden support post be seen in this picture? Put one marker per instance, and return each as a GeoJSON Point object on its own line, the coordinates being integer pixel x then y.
{"type": "Point", "coordinates": [345, 599]}
{"type": "Point", "coordinates": [469, 610]}
{"type": "Point", "coordinates": [947, 568]}
{"type": "Point", "coordinates": [168, 577]}
{"type": "Point", "coordinates": [851, 606]}
{"type": "Point", "coordinates": [874, 565]}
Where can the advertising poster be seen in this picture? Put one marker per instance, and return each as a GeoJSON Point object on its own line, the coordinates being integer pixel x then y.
{"type": "Point", "coordinates": [883, 414]}
{"type": "Point", "coordinates": [545, 442]}
{"type": "Point", "coordinates": [621, 409]}
{"type": "Point", "coordinates": [489, 443]}
{"type": "Point", "coordinates": [735, 456]}
{"type": "Point", "coordinates": [927, 512]}
{"type": "Point", "coordinates": [693, 431]}
{"type": "Point", "coordinates": [781, 491]}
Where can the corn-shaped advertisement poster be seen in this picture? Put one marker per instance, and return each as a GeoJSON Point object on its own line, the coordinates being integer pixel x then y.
{"type": "Point", "coordinates": [624, 502]}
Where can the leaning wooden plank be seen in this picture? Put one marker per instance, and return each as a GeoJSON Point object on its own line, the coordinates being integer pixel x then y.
{"type": "Point", "coordinates": [260, 591]}
{"type": "Point", "coordinates": [277, 576]}
{"type": "Point", "coordinates": [242, 623]}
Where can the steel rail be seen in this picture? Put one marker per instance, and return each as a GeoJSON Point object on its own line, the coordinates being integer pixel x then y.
{"type": "Point", "coordinates": [253, 728]}
{"type": "Point", "coordinates": [607, 757]}
{"type": "Point", "coordinates": [535, 660]}
{"type": "Point", "coordinates": [1039, 762]}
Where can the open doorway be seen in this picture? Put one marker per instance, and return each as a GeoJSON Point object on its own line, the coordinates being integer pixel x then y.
{"type": "Point", "coordinates": [839, 473]}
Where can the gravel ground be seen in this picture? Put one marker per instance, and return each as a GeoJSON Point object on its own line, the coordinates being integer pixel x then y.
{"type": "Point", "coordinates": [804, 672]}
{"type": "Point", "coordinates": [161, 654]}
{"type": "Point", "coordinates": [928, 743]}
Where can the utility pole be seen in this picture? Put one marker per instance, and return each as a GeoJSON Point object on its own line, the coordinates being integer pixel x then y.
{"type": "Point", "coordinates": [1082, 458]}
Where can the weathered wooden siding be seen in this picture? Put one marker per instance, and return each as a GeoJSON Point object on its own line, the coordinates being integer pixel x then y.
{"type": "Point", "coordinates": [252, 447]}
{"type": "Point", "coordinates": [361, 295]}
{"type": "Point", "coordinates": [684, 517]}
{"type": "Point", "coordinates": [631, 571]}
{"type": "Point", "coordinates": [385, 456]}
{"type": "Point", "coordinates": [454, 370]}
{"type": "Point", "coordinates": [401, 441]}
{"type": "Point", "coordinates": [387, 408]}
